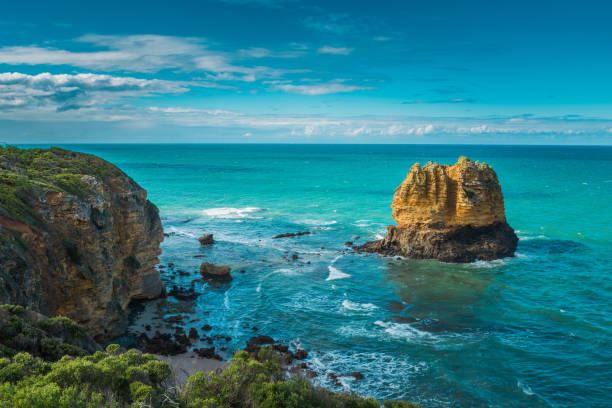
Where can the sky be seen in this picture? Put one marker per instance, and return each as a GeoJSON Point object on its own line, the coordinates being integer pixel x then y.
{"type": "Point", "coordinates": [290, 71]}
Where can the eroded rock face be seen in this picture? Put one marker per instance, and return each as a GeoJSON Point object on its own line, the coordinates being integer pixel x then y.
{"type": "Point", "coordinates": [84, 249]}
{"type": "Point", "coordinates": [450, 213]}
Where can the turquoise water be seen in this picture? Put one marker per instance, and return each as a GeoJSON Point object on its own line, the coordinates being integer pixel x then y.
{"type": "Point", "coordinates": [531, 331]}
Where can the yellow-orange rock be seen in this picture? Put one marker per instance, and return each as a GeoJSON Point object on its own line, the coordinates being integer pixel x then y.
{"type": "Point", "coordinates": [466, 193]}
{"type": "Point", "coordinates": [450, 213]}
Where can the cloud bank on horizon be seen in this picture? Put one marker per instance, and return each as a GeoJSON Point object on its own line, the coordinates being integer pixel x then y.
{"type": "Point", "coordinates": [297, 71]}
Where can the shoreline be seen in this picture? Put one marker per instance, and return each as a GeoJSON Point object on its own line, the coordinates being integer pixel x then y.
{"type": "Point", "coordinates": [184, 365]}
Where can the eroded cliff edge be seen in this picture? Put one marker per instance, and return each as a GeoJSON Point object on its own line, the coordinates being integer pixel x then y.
{"type": "Point", "coordinates": [78, 238]}
{"type": "Point", "coordinates": [453, 213]}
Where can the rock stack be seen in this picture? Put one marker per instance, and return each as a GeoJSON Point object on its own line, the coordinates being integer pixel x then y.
{"type": "Point", "coordinates": [450, 213]}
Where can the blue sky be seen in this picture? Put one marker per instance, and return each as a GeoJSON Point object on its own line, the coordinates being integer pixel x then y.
{"type": "Point", "coordinates": [520, 72]}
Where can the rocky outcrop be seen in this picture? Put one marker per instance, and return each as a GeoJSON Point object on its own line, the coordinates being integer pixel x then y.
{"type": "Point", "coordinates": [78, 238]}
{"type": "Point", "coordinates": [206, 239]}
{"type": "Point", "coordinates": [450, 213]}
{"type": "Point", "coordinates": [211, 271]}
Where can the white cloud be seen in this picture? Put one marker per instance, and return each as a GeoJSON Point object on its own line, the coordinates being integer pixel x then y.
{"type": "Point", "coordinates": [479, 129]}
{"type": "Point", "coordinates": [259, 52]}
{"type": "Point", "coordinates": [65, 92]}
{"type": "Point", "coordinates": [334, 50]}
{"type": "Point", "coordinates": [141, 53]}
{"type": "Point", "coordinates": [320, 89]}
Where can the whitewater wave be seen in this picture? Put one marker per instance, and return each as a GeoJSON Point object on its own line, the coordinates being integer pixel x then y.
{"type": "Point", "coordinates": [180, 232]}
{"type": "Point", "coordinates": [335, 273]}
{"type": "Point", "coordinates": [480, 264]}
{"type": "Point", "coordinates": [231, 212]}
{"type": "Point", "coordinates": [525, 388]}
{"type": "Point", "coordinates": [403, 330]}
{"type": "Point", "coordinates": [313, 222]}
{"type": "Point", "coordinates": [379, 370]}
{"type": "Point", "coordinates": [362, 223]}
{"type": "Point", "coordinates": [530, 237]}
{"type": "Point", "coordinates": [358, 307]}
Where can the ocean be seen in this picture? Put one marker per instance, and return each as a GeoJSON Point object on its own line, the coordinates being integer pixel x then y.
{"type": "Point", "coordinates": [534, 330]}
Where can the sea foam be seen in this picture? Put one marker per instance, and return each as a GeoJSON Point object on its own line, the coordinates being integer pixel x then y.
{"type": "Point", "coordinates": [402, 330]}
{"type": "Point", "coordinates": [358, 307]}
{"type": "Point", "coordinates": [335, 273]}
{"type": "Point", "coordinates": [231, 212]}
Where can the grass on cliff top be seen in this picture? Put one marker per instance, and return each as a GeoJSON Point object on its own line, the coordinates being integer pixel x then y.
{"type": "Point", "coordinates": [23, 171]}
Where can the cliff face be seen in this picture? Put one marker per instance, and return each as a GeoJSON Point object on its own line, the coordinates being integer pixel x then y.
{"type": "Point", "coordinates": [451, 213]}
{"type": "Point", "coordinates": [78, 238]}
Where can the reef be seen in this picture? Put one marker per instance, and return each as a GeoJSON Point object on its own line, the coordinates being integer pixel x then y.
{"type": "Point", "coordinates": [452, 213]}
{"type": "Point", "coordinates": [78, 238]}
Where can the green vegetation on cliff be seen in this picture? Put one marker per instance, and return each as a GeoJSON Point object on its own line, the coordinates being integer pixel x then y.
{"type": "Point", "coordinates": [55, 169]}
{"type": "Point", "coordinates": [22, 330]}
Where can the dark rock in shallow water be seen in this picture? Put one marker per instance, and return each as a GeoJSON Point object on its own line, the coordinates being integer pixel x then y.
{"type": "Point", "coordinates": [193, 334]}
{"type": "Point", "coordinates": [357, 375]}
{"type": "Point", "coordinates": [261, 340]}
{"type": "Point", "coordinates": [449, 213]}
{"type": "Point", "coordinates": [211, 271]}
{"type": "Point", "coordinates": [183, 294]}
{"type": "Point", "coordinates": [292, 234]}
{"type": "Point", "coordinates": [310, 374]}
{"type": "Point", "coordinates": [162, 343]}
{"type": "Point", "coordinates": [300, 354]}
{"type": "Point", "coordinates": [334, 379]}
{"type": "Point", "coordinates": [206, 239]}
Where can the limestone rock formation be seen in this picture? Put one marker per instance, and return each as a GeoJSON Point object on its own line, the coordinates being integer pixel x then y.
{"type": "Point", "coordinates": [78, 238]}
{"type": "Point", "coordinates": [211, 271]}
{"type": "Point", "coordinates": [450, 213]}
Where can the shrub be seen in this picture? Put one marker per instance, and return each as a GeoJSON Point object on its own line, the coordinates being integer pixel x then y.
{"type": "Point", "coordinates": [259, 383]}
{"type": "Point", "coordinates": [98, 380]}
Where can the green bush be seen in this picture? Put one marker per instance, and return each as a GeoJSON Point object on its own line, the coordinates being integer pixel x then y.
{"type": "Point", "coordinates": [259, 383]}
{"type": "Point", "coordinates": [99, 380]}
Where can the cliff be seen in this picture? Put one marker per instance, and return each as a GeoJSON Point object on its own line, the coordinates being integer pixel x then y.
{"type": "Point", "coordinates": [78, 238]}
{"type": "Point", "coordinates": [450, 213]}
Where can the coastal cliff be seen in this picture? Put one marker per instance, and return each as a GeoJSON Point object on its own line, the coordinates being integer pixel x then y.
{"type": "Point", "coordinates": [450, 213]}
{"type": "Point", "coordinates": [78, 238]}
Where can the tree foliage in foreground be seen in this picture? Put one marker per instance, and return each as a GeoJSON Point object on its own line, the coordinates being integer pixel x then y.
{"type": "Point", "coordinates": [133, 379]}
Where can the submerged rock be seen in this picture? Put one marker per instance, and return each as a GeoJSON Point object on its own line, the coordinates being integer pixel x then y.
{"type": "Point", "coordinates": [206, 239]}
{"type": "Point", "coordinates": [78, 238]}
{"type": "Point", "coordinates": [292, 234]}
{"type": "Point", "coordinates": [212, 271]}
{"type": "Point", "coordinates": [450, 213]}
